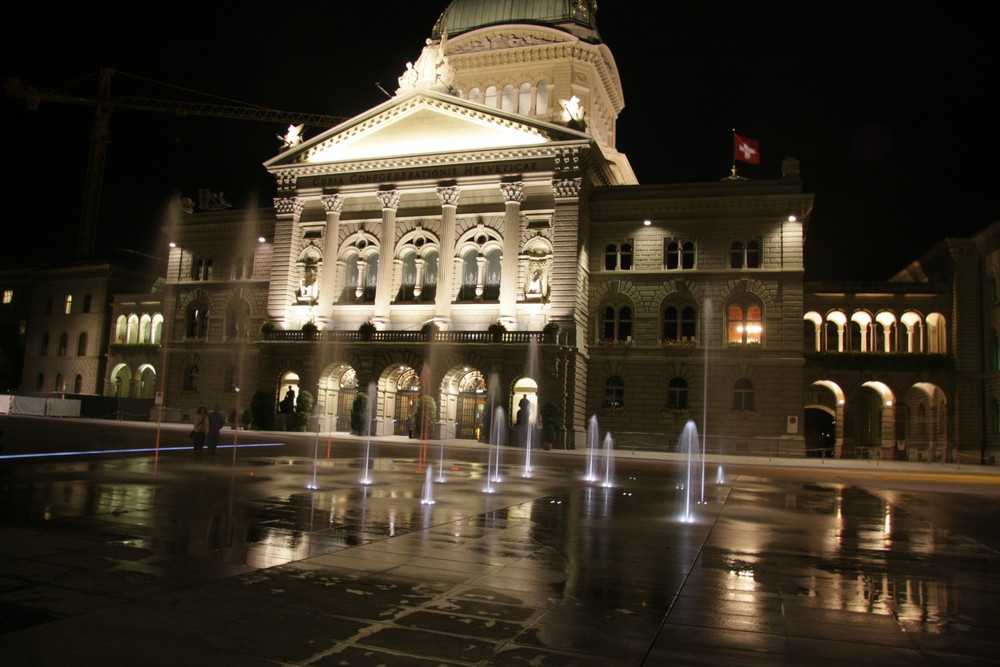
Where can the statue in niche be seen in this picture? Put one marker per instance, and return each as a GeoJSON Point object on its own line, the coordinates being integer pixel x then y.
{"type": "Point", "coordinates": [308, 284]}
{"type": "Point", "coordinates": [535, 284]}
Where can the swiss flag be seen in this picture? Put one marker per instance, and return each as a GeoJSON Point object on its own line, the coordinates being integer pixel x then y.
{"type": "Point", "coordinates": [747, 150]}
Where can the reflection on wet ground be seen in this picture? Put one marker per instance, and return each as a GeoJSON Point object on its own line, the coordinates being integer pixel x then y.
{"type": "Point", "coordinates": [206, 562]}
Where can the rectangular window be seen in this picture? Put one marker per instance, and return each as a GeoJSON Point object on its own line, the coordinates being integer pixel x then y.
{"type": "Point", "coordinates": [8, 296]}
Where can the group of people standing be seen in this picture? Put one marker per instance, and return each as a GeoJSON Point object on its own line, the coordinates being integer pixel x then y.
{"type": "Point", "coordinates": [207, 426]}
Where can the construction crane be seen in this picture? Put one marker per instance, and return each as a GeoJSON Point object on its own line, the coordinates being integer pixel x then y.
{"type": "Point", "coordinates": [103, 106]}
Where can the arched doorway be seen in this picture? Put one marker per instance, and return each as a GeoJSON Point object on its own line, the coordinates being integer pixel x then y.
{"type": "Point", "coordinates": [147, 382]}
{"type": "Point", "coordinates": [337, 389]}
{"type": "Point", "coordinates": [407, 392]}
{"type": "Point", "coordinates": [471, 405]}
{"type": "Point", "coordinates": [121, 382]}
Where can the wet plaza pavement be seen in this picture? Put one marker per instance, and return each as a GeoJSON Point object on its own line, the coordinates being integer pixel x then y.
{"type": "Point", "coordinates": [127, 558]}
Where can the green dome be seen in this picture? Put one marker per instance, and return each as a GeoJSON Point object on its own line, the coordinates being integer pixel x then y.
{"type": "Point", "coordinates": [573, 16]}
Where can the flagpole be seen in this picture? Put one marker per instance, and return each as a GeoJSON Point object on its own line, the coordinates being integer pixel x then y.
{"type": "Point", "coordinates": [733, 175]}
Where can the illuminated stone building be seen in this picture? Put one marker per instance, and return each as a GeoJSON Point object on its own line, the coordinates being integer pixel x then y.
{"type": "Point", "coordinates": [478, 239]}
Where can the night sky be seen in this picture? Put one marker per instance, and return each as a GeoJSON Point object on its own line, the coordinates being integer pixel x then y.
{"type": "Point", "coordinates": [892, 112]}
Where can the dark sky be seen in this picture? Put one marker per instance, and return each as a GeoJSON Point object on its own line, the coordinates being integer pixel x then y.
{"type": "Point", "coordinates": [891, 111]}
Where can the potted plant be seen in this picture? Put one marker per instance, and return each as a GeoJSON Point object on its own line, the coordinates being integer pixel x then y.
{"type": "Point", "coordinates": [552, 422]}
{"type": "Point", "coordinates": [309, 330]}
{"type": "Point", "coordinates": [496, 331]}
{"type": "Point", "coordinates": [367, 330]}
{"type": "Point", "coordinates": [266, 327]}
{"type": "Point", "coordinates": [551, 331]}
{"type": "Point", "coordinates": [358, 409]}
{"type": "Point", "coordinates": [430, 330]}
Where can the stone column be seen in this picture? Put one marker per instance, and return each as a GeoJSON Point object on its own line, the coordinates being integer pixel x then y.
{"type": "Point", "coordinates": [334, 204]}
{"type": "Point", "coordinates": [284, 281]}
{"type": "Point", "coordinates": [386, 256]}
{"type": "Point", "coordinates": [513, 195]}
{"type": "Point", "coordinates": [446, 261]}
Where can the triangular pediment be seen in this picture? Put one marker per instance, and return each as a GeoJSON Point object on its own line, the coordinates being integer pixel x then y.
{"type": "Point", "coordinates": [423, 122]}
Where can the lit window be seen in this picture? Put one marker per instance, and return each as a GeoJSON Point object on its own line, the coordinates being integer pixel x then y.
{"type": "Point", "coordinates": [69, 304]}
{"type": "Point", "coordinates": [8, 296]}
{"type": "Point", "coordinates": [745, 324]}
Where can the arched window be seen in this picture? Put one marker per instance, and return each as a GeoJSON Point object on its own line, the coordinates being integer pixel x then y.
{"type": "Point", "coordinates": [121, 329]}
{"type": "Point", "coordinates": [157, 334]}
{"type": "Point", "coordinates": [491, 284]}
{"type": "Point", "coordinates": [407, 278]}
{"type": "Point", "coordinates": [744, 255]}
{"type": "Point", "coordinates": [132, 336]}
{"type": "Point", "coordinates": [680, 323]}
{"type": "Point", "coordinates": [69, 304]}
{"type": "Point", "coordinates": [508, 102]}
{"type": "Point", "coordinates": [145, 323]}
{"type": "Point", "coordinates": [678, 254]}
{"type": "Point", "coordinates": [616, 323]}
{"type": "Point", "coordinates": [524, 99]}
{"type": "Point", "coordinates": [470, 274]}
{"type": "Point", "coordinates": [429, 290]}
{"type": "Point", "coordinates": [44, 349]}
{"type": "Point", "coordinates": [238, 320]}
{"type": "Point", "coordinates": [744, 323]}
{"type": "Point", "coordinates": [191, 378]}
{"type": "Point", "coordinates": [474, 95]}
{"type": "Point", "coordinates": [743, 400]}
{"type": "Point", "coordinates": [542, 98]}
{"type": "Point", "coordinates": [86, 303]}
{"type": "Point", "coordinates": [618, 256]}
{"type": "Point", "coordinates": [490, 99]}
{"type": "Point", "coordinates": [78, 384]}
{"type": "Point", "coordinates": [63, 344]}
{"type": "Point", "coordinates": [48, 306]}
{"type": "Point", "coordinates": [81, 344]}
{"type": "Point", "coordinates": [197, 322]}
{"type": "Point", "coordinates": [40, 383]}
{"type": "Point", "coordinates": [371, 278]}
{"type": "Point", "coordinates": [614, 393]}
{"type": "Point", "coordinates": [60, 385]}
{"type": "Point", "coordinates": [677, 394]}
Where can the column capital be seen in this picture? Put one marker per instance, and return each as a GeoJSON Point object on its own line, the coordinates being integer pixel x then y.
{"type": "Point", "coordinates": [333, 203]}
{"type": "Point", "coordinates": [566, 188]}
{"type": "Point", "coordinates": [388, 198]}
{"type": "Point", "coordinates": [512, 192]}
{"type": "Point", "coordinates": [449, 195]}
{"type": "Point", "coordinates": [289, 206]}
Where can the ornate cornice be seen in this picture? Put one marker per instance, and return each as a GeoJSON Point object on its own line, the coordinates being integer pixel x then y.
{"type": "Point", "coordinates": [539, 152]}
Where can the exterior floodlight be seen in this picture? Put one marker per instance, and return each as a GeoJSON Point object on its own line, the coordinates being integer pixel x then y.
{"type": "Point", "coordinates": [792, 218]}
{"type": "Point", "coordinates": [260, 239]}
{"type": "Point", "coordinates": [172, 244]}
{"type": "Point", "coordinates": [647, 222]}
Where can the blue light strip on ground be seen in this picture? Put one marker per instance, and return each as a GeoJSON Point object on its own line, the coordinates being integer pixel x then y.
{"type": "Point", "coordinates": [132, 451]}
